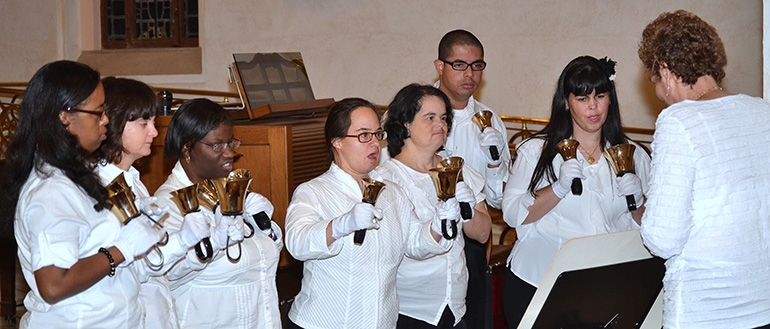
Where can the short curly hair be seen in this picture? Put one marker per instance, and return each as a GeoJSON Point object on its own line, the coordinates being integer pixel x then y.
{"type": "Point", "coordinates": [687, 45]}
{"type": "Point", "coordinates": [404, 107]}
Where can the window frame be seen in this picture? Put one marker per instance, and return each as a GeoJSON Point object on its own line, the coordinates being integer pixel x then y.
{"type": "Point", "coordinates": [177, 26]}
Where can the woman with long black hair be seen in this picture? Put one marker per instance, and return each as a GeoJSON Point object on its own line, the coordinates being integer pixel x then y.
{"type": "Point", "coordinates": [73, 252]}
{"type": "Point", "coordinates": [537, 199]}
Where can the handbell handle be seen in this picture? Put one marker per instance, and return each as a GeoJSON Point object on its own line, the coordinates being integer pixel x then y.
{"type": "Point", "coordinates": [206, 242]}
{"type": "Point", "coordinates": [494, 152]}
{"type": "Point", "coordinates": [444, 232]}
{"type": "Point", "coordinates": [465, 211]}
{"type": "Point", "coordinates": [360, 235]}
{"type": "Point", "coordinates": [577, 186]}
{"type": "Point", "coordinates": [631, 202]}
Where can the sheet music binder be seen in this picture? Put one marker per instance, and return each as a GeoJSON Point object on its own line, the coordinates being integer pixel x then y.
{"type": "Point", "coordinates": [615, 296]}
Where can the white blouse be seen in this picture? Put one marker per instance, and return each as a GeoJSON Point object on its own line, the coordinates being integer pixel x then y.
{"type": "Point", "coordinates": [427, 286]}
{"type": "Point", "coordinates": [708, 212]}
{"type": "Point", "coordinates": [219, 293]}
{"type": "Point", "coordinates": [155, 289]}
{"type": "Point", "coordinates": [56, 224]}
{"type": "Point", "coordinates": [344, 285]}
{"type": "Point", "coordinates": [597, 210]}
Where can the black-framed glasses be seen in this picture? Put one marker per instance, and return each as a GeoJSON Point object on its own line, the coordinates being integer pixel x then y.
{"type": "Point", "coordinates": [366, 137]}
{"type": "Point", "coordinates": [459, 65]}
{"type": "Point", "coordinates": [220, 147]}
{"type": "Point", "coordinates": [97, 113]}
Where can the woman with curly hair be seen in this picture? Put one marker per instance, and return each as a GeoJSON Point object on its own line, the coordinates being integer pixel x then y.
{"type": "Point", "coordinates": [537, 199]}
{"type": "Point", "coordinates": [707, 209]}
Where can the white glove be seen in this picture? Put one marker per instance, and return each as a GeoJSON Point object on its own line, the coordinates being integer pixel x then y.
{"type": "Point", "coordinates": [256, 203]}
{"type": "Point", "coordinates": [136, 237]}
{"type": "Point", "coordinates": [362, 216]}
{"type": "Point", "coordinates": [630, 184]}
{"type": "Point", "coordinates": [147, 206]}
{"type": "Point", "coordinates": [194, 228]}
{"type": "Point", "coordinates": [449, 210]}
{"type": "Point", "coordinates": [491, 137]}
{"type": "Point", "coordinates": [463, 193]}
{"type": "Point", "coordinates": [568, 171]}
{"type": "Point", "coordinates": [218, 233]}
{"type": "Point", "coordinates": [234, 228]}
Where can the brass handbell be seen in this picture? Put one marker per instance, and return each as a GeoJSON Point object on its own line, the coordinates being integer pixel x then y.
{"type": "Point", "coordinates": [568, 149]}
{"type": "Point", "coordinates": [123, 205]}
{"type": "Point", "coordinates": [458, 162]}
{"type": "Point", "coordinates": [483, 119]}
{"type": "Point", "coordinates": [621, 157]}
{"type": "Point", "coordinates": [445, 181]}
{"type": "Point", "coordinates": [372, 189]}
{"type": "Point", "coordinates": [186, 199]}
{"type": "Point", "coordinates": [231, 192]}
{"type": "Point", "coordinates": [207, 194]}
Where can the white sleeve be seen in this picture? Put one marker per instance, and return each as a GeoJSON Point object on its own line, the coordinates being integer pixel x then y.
{"type": "Point", "coordinates": [306, 227]}
{"type": "Point", "coordinates": [516, 198]}
{"type": "Point", "coordinates": [667, 219]}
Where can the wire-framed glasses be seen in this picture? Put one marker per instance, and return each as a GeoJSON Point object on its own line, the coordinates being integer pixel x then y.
{"type": "Point", "coordinates": [220, 147]}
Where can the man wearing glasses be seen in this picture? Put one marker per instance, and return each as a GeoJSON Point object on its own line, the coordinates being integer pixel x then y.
{"type": "Point", "coordinates": [460, 65]}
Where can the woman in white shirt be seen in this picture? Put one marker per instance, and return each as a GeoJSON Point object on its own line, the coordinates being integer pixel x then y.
{"type": "Point", "coordinates": [708, 213]}
{"type": "Point", "coordinates": [346, 285]}
{"type": "Point", "coordinates": [431, 291]}
{"type": "Point", "coordinates": [74, 253]}
{"type": "Point", "coordinates": [537, 200]}
{"type": "Point", "coordinates": [218, 293]}
{"type": "Point", "coordinates": [132, 107]}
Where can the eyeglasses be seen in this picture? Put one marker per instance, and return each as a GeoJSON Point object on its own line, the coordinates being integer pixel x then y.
{"type": "Point", "coordinates": [220, 147]}
{"type": "Point", "coordinates": [98, 113]}
{"type": "Point", "coordinates": [367, 136]}
{"type": "Point", "coordinates": [459, 65]}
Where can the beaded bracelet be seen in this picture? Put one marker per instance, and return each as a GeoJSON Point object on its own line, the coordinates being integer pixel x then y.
{"type": "Point", "coordinates": [112, 261]}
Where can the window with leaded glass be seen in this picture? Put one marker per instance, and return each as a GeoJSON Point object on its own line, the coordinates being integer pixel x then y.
{"type": "Point", "coordinates": [149, 23]}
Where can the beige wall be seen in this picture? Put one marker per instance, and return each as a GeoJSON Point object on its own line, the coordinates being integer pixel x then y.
{"type": "Point", "coordinates": [372, 48]}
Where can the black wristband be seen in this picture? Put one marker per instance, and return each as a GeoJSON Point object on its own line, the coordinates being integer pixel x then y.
{"type": "Point", "coordinates": [109, 257]}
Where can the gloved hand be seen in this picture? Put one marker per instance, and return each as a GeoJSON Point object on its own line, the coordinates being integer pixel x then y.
{"type": "Point", "coordinates": [218, 233]}
{"type": "Point", "coordinates": [568, 171]}
{"type": "Point", "coordinates": [463, 193]}
{"type": "Point", "coordinates": [491, 137]}
{"type": "Point", "coordinates": [630, 184]}
{"type": "Point", "coordinates": [234, 228]}
{"type": "Point", "coordinates": [136, 237]}
{"type": "Point", "coordinates": [449, 210]}
{"type": "Point", "coordinates": [256, 203]}
{"type": "Point", "coordinates": [362, 216]}
{"type": "Point", "coordinates": [194, 228]}
{"type": "Point", "coordinates": [147, 206]}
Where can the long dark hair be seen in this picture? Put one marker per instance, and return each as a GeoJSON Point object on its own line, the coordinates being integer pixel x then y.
{"type": "Point", "coordinates": [41, 138]}
{"type": "Point", "coordinates": [125, 100]}
{"type": "Point", "coordinates": [582, 76]}
{"type": "Point", "coordinates": [403, 109]}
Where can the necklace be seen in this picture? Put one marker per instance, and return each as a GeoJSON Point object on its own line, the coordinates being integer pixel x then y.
{"type": "Point", "coordinates": [707, 91]}
{"type": "Point", "coordinates": [591, 155]}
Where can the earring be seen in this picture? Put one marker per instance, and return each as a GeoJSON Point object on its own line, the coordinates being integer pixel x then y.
{"type": "Point", "coordinates": [668, 88]}
{"type": "Point", "coordinates": [187, 158]}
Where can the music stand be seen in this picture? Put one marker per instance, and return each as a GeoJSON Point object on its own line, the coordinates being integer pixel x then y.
{"type": "Point", "coordinates": [275, 84]}
{"type": "Point", "coordinates": [612, 296]}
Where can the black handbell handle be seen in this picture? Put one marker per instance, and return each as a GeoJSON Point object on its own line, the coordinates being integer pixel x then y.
{"type": "Point", "coordinates": [494, 152]}
{"type": "Point", "coordinates": [465, 210]}
{"type": "Point", "coordinates": [359, 235]}
{"type": "Point", "coordinates": [206, 242]}
{"type": "Point", "coordinates": [227, 251]}
{"type": "Point", "coordinates": [444, 232]}
{"type": "Point", "coordinates": [577, 186]}
{"type": "Point", "coordinates": [263, 223]}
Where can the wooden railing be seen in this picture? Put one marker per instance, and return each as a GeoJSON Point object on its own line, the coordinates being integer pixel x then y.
{"type": "Point", "coordinates": [519, 128]}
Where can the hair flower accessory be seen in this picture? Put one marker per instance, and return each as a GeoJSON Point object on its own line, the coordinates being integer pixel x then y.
{"type": "Point", "coordinates": [608, 67]}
